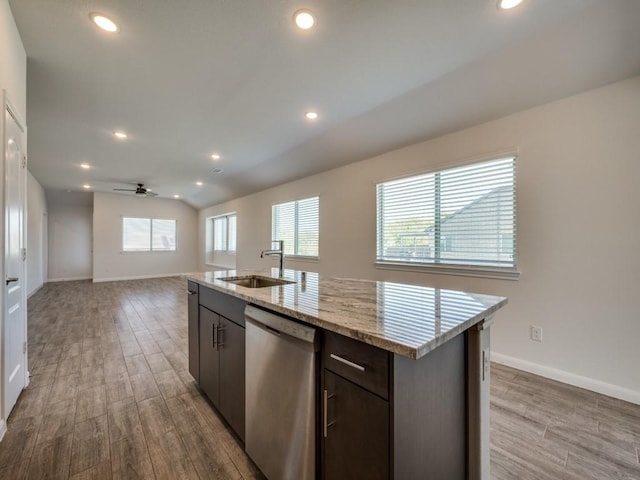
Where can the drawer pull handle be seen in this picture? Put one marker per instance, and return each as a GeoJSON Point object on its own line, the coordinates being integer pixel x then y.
{"type": "Point", "coordinates": [347, 362]}
{"type": "Point", "coordinates": [191, 292]}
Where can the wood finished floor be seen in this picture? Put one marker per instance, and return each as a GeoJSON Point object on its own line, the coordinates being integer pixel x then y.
{"type": "Point", "coordinates": [110, 398]}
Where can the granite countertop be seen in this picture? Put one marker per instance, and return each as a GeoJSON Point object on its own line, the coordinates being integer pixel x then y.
{"type": "Point", "coordinates": [405, 319]}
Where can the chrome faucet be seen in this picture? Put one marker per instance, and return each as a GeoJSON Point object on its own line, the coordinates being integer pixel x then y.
{"type": "Point", "coordinates": [279, 252]}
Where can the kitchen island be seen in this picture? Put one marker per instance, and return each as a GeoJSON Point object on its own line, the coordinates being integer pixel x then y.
{"type": "Point", "coordinates": [404, 370]}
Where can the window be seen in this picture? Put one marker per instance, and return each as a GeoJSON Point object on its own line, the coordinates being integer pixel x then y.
{"type": "Point", "coordinates": [224, 233]}
{"type": "Point", "coordinates": [297, 224]}
{"type": "Point", "coordinates": [148, 234]}
{"type": "Point", "coordinates": [462, 216]}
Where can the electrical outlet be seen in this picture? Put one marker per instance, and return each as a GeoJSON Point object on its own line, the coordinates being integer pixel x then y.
{"type": "Point", "coordinates": [535, 333]}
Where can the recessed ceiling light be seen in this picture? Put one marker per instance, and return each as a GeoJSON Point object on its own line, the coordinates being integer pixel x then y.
{"type": "Point", "coordinates": [311, 115]}
{"type": "Point", "coordinates": [304, 19]}
{"type": "Point", "coordinates": [176, 196]}
{"type": "Point", "coordinates": [199, 184]}
{"type": "Point", "coordinates": [86, 187]}
{"type": "Point", "coordinates": [120, 135]}
{"type": "Point", "coordinates": [103, 22]}
{"type": "Point", "coordinates": [217, 171]}
{"type": "Point", "coordinates": [507, 4]}
{"type": "Point", "coordinates": [85, 166]}
{"type": "Point", "coordinates": [215, 156]}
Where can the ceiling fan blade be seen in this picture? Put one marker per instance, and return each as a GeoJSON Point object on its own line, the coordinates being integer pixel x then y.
{"type": "Point", "coordinates": [124, 190]}
{"type": "Point", "coordinates": [151, 194]}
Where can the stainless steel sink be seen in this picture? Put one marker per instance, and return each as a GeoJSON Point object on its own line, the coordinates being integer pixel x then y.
{"type": "Point", "coordinates": [256, 281]}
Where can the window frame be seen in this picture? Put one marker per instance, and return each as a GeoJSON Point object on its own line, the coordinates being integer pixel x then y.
{"type": "Point", "coordinates": [123, 249]}
{"type": "Point", "coordinates": [296, 242]}
{"type": "Point", "coordinates": [442, 267]}
{"type": "Point", "coordinates": [212, 221]}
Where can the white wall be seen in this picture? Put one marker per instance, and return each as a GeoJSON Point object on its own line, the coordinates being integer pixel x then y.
{"type": "Point", "coordinates": [13, 61]}
{"type": "Point", "coordinates": [70, 225]}
{"type": "Point", "coordinates": [578, 193]}
{"type": "Point", "coordinates": [13, 79]}
{"type": "Point", "coordinates": [36, 235]}
{"type": "Point", "coordinates": [109, 263]}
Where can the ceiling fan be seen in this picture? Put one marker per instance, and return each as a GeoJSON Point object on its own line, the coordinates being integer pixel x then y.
{"type": "Point", "coordinates": [140, 191]}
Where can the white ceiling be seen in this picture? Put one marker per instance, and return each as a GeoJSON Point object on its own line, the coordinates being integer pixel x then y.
{"type": "Point", "coordinates": [187, 79]}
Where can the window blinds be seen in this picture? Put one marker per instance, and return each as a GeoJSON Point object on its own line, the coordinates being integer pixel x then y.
{"type": "Point", "coordinates": [231, 236]}
{"type": "Point", "coordinates": [297, 223]}
{"type": "Point", "coordinates": [163, 235]}
{"type": "Point", "coordinates": [224, 233]}
{"type": "Point", "coordinates": [146, 234]}
{"type": "Point", "coordinates": [220, 233]}
{"type": "Point", "coordinates": [459, 216]}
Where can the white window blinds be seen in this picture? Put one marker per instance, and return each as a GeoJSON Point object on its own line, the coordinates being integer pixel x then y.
{"type": "Point", "coordinates": [458, 216]}
{"type": "Point", "coordinates": [220, 233]}
{"type": "Point", "coordinates": [297, 223]}
{"type": "Point", "coordinates": [224, 233]}
{"type": "Point", "coordinates": [163, 235]}
{"type": "Point", "coordinates": [136, 234]}
{"type": "Point", "coordinates": [231, 234]}
{"type": "Point", "coordinates": [147, 234]}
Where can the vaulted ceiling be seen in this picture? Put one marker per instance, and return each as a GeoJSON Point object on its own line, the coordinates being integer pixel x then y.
{"type": "Point", "coordinates": [189, 79]}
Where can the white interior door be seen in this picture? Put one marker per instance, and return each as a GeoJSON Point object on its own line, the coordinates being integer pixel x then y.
{"type": "Point", "coordinates": [14, 368]}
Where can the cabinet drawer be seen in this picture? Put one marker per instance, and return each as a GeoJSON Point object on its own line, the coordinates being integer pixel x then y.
{"type": "Point", "coordinates": [192, 287]}
{"type": "Point", "coordinates": [223, 304]}
{"type": "Point", "coordinates": [363, 364]}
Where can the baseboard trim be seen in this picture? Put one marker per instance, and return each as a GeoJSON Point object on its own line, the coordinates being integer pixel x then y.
{"type": "Point", "coordinates": [3, 429]}
{"type": "Point", "coordinates": [137, 277]}
{"type": "Point", "coordinates": [34, 291]}
{"type": "Point", "coordinates": [67, 279]}
{"type": "Point", "coordinates": [565, 377]}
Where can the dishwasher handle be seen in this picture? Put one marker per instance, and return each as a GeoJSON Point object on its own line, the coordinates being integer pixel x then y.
{"type": "Point", "coordinates": [280, 324]}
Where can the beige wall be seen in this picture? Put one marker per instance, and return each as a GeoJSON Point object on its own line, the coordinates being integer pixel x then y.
{"type": "Point", "coordinates": [578, 184]}
{"type": "Point", "coordinates": [109, 263]}
{"type": "Point", "coordinates": [36, 235]}
{"type": "Point", "coordinates": [70, 225]}
{"type": "Point", "coordinates": [13, 61]}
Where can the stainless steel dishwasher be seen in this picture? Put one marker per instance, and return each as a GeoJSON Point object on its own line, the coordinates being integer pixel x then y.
{"type": "Point", "coordinates": [280, 403]}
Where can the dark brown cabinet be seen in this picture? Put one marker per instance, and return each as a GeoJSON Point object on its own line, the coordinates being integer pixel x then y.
{"type": "Point", "coordinates": [193, 329]}
{"type": "Point", "coordinates": [210, 355]}
{"type": "Point", "coordinates": [216, 351]}
{"type": "Point", "coordinates": [385, 416]}
{"type": "Point", "coordinates": [357, 433]}
{"type": "Point", "coordinates": [356, 428]}
{"type": "Point", "coordinates": [231, 338]}
{"type": "Point", "coordinates": [222, 366]}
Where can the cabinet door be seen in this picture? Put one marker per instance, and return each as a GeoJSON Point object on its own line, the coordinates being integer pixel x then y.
{"type": "Point", "coordinates": [209, 355]}
{"type": "Point", "coordinates": [357, 441]}
{"type": "Point", "coordinates": [194, 330]}
{"type": "Point", "coordinates": [231, 338]}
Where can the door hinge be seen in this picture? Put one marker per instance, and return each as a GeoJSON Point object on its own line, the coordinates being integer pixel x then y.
{"type": "Point", "coordinates": [24, 161]}
{"type": "Point", "coordinates": [24, 347]}
{"type": "Point", "coordinates": [24, 254]}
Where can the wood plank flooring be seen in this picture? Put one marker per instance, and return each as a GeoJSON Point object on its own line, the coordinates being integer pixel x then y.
{"type": "Point", "coordinates": [111, 398]}
{"type": "Point", "coordinates": [542, 429]}
{"type": "Point", "coordinates": [110, 395]}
